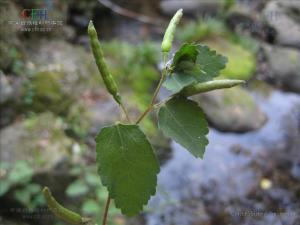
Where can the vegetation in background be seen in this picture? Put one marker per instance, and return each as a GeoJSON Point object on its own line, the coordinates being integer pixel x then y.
{"type": "Point", "coordinates": [135, 69]}
{"type": "Point", "coordinates": [88, 189]}
{"type": "Point", "coordinates": [18, 179]}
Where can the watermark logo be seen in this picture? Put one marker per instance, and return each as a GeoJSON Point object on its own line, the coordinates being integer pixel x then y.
{"type": "Point", "coordinates": [36, 19]}
{"type": "Point", "coordinates": [34, 14]}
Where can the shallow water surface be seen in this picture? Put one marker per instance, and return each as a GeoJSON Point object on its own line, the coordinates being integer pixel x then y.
{"type": "Point", "coordinates": [227, 181]}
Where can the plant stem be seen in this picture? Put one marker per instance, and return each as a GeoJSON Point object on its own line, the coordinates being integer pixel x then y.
{"type": "Point", "coordinates": [150, 107]}
{"type": "Point", "coordinates": [162, 78]}
{"type": "Point", "coordinates": [104, 219]}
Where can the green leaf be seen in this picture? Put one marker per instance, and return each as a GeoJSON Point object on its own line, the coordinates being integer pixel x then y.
{"type": "Point", "coordinates": [184, 121]}
{"type": "Point", "coordinates": [193, 64]}
{"type": "Point", "coordinates": [177, 81]}
{"type": "Point", "coordinates": [182, 68]}
{"type": "Point", "coordinates": [90, 207]}
{"type": "Point", "coordinates": [77, 188]}
{"type": "Point", "coordinates": [33, 188]}
{"type": "Point", "coordinates": [187, 52]}
{"type": "Point", "coordinates": [210, 63]}
{"type": "Point", "coordinates": [101, 194]}
{"type": "Point", "coordinates": [4, 187]}
{"type": "Point", "coordinates": [23, 196]}
{"type": "Point", "coordinates": [127, 166]}
{"type": "Point", "coordinates": [21, 173]}
{"type": "Point", "coordinates": [92, 179]}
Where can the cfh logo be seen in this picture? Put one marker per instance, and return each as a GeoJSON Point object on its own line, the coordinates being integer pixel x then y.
{"type": "Point", "coordinates": [35, 14]}
{"type": "Point", "coordinates": [39, 13]}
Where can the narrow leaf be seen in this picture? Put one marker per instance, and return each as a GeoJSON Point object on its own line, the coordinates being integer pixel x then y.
{"type": "Point", "coordinates": [184, 121]}
{"type": "Point", "coordinates": [127, 166]}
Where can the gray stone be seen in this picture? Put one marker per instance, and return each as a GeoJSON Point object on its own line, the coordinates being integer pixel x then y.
{"type": "Point", "coordinates": [232, 110]}
{"type": "Point", "coordinates": [284, 17]}
{"type": "Point", "coordinates": [283, 67]}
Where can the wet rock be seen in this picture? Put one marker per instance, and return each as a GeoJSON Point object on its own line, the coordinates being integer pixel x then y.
{"type": "Point", "coordinates": [284, 17]}
{"type": "Point", "coordinates": [283, 67]}
{"type": "Point", "coordinates": [194, 7]}
{"type": "Point", "coordinates": [232, 110]}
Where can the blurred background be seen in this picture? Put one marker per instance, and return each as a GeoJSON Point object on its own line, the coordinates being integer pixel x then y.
{"type": "Point", "coordinates": [53, 103]}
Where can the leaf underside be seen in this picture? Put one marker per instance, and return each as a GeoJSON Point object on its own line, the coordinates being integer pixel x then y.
{"type": "Point", "coordinates": [184, 121]}
{"type": "Point", "coordinates": [127, 166]}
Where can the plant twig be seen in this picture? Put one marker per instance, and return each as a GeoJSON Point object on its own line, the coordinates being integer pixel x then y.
{"type": "Point", "coordinates": [104, 219]}
{"type": "Point", "coordinates": [125, 12]}
{"type": "Point", "coordinates": [150, 107]}
{"type": "Point", "coordinates": [162, 78]}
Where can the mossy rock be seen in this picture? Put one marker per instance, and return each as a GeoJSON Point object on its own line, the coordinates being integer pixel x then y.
{"type": "Point", "coordinates": [62, 73]}
{"type": "Point", "coordinates": [232, 110]}
{"type": "Point", "coordinates": [39, 140]}
{"type": "Point", "coordinates": [76, 64]}
{"type": "Point", "coordinates": [49, 93]}
{"type": "Point", "coordinates": [241, 62]}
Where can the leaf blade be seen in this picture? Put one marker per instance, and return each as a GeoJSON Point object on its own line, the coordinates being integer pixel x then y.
{"type": "Point", "coordinates": [184, 121]}
{"type": "Point", "coordinates": [210, 62]}
{"type": "Point", "coordinates": [127, 166]}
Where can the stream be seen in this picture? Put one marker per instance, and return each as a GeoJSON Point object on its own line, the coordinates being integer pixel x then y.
{"type": "Point", "coordinates": [249, 178]}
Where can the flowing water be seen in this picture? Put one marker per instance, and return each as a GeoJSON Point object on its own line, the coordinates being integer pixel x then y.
{"type": "Point", "coordinates": [240, 175]}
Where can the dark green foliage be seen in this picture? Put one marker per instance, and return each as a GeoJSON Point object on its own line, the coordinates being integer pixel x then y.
{"type": "Point", "coordinates": [127, 166]}
{"type": "Point", "coordinates": [191, 64]}
{"type": "Point", "coordinates": [184, 121]}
